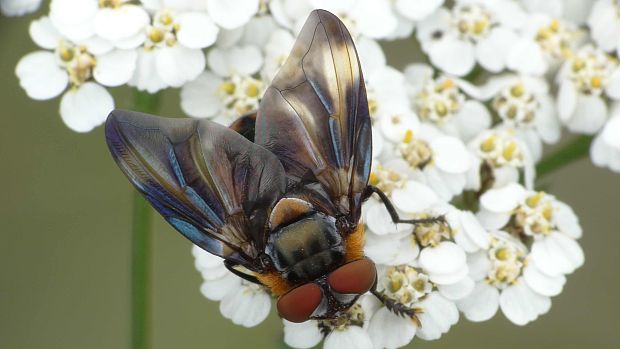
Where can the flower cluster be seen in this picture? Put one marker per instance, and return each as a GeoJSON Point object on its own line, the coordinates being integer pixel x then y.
{"type": "Point", "coordinates": [457, 138]}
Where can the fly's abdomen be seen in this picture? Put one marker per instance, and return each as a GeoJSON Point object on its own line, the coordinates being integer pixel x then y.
{"type": "Point", "coordinates": [306, 249]}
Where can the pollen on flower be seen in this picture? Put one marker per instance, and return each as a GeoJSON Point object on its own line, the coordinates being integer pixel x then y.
{"type": "Point", "coordinates": [507, 261]}
{"type": "Point", "coordinates": [354, 316]}
{"type": "Point", "coordinates": [535, 216]}
{"type": "Point", "coordinates": [500, 149]}
{"type": "Point", "coordinates": [405, 284]}
{"type": "Point", "coordinates": [438, 101]}
{"type": "Point", "coordinates": [386, 179]}
{"type": "Point", "coordinates": [431, 234]}
{"type": "Point", "coordinates": [472, 22]}
{"type": "Point", "coordinates": [240, 94]}
{"type": "Point", "coordinates": [516, 105]}
{"type": "Point", "coordinates": [557, 38]}
{"type": "Point", "coordinates": [78, 62]}
{"type": "Point", "coordinates": [111, 3]}
{"type": "Point", "coordinates": [162, 31]}
{"type": "Point", "coordinates": [590, 70]}
{"type": "Point", "coordinates": [415, 151]}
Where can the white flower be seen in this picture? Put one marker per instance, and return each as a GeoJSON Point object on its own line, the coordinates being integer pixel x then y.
{"type": "Point", "coordinates": [440, 102]}
{"type": "Point", "coordinates": [584, 79]}
{"type": "Point", "coordinates": [417, 10]}
{"type": "Point", "coordinates": [172, 53]}
{"type": "Point", "coordinates": [473, 31]}
{"type": "Point", "coordinates": [232, 14]}
{"type": "Point", "coordinates": [551, 224]}
{"type": "Point", "coordinates": [576, 11]}
{"type": "Point", "coordinates": [229, 88]}
{"type": "Point", "coordinates": [421, 152]}
{"type": "Point", "coordinates": [605, 149]}
{"type": "Point", "coordinates": [410, 287]}
{"type": "Point", "coordinates": [347, 331]}
{"type": "Point", "coordinates": [604, 25]}
{"type": "Point", "coordinates": [499, 156]}
{"type": "Point", "coordinates": [19, 7]}
{"type": "Point", "coordinates": [276, 51]}
{"type": "Point", "coordinates": [46, 74]}
{"type": "Point", "coordinates": [524, 105]}
{"type": "Point", "coordinates": [116, 21]}
{"type": "Point", "coordinates": [543, 42]}
{"type": "Point", "coordinates": [244, 303]}
{"type": "Point", "coordinates": [506, 279]}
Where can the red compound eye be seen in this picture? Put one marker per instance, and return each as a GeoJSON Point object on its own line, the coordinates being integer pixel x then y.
{"type": "Point", "coordinates": [299, 303]}
{"type": "Point", "coordinates": [356, 277]}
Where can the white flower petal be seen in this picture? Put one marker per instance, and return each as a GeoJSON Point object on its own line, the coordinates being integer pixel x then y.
{"type": "Point", "coordinates": [40, 75]}
{"type": "Point", "coordinates": [479, 265]}
{"type": "Point", "coordinates": [457, 290]}
{"type": "Point", "coordinates": [245, 60]}
{"type": "Point", "coordinates": [84, 108]}
{"type": "Point", "coordinates": [567, 100]}
{"type": "Point", "coordinates": [388, 330]}
{"type": "Point", "coordinates": [439, 314]}
{"type": "Point", "coordinates": [521, 305]}
{"type": "Point", "coordinates": [380, 222]}
{"type": "Point", "coordinates": [491, 51]}
{"type": "Point", "coordinates": [417, 10]}
{"type": "Point", "coordinates": [541, 283]}
{"type": "Point", "coordinates": [589, 115]}
{"type": "Point", "coordinates": [43, 33]}
{"type": "Point", "coordinates": [302, 335]}
{"type": "Point", "coordinates": [246, 306]}
{"type": "Point", "coordinates": [492, 220]}
{"type": "Point", "coordinates": [415, 197]}
{"type": "Point", "coordinates": [196, 30]}
{"type": "Point", "coordinates": [145, 77]}
{"type": "Point", "coordinates": [566, 220]}
{"type": "Point", "coordinates": [199, 97]}
{"type": "Point", "coordinates": [350, 337]}
{"type": "Point", "coordinates": [232, 14]}
{"type": "Point", "coordinates": [217, 289]}
{"type": "Point", "coordinates": [453, 56]}
{"type": "Point", "coordinates": [557, 254]}
{"type": "Point", "coordinates": [472, 119]}
{"type": "Point", "coordinates": [503, 199]}
{"type": "Point", "coordinates": [115, 68]}
{"type": "Point", "coordinates": [178, 65]}
{"type": "Point", "coordinates": [450, 155]}
{"type": "Point", "coordinates": [527, 58]}
{"type": "Point", "coordinates": [481, 304]}
{"type": "Point", "coordinates": [120, 23]}
{"type": "Point", "coordinates": [445, 258]}
{"type": "Point", "coordinates": [613, 86]}
{"type": "Point", "coordinates": [19, 7]}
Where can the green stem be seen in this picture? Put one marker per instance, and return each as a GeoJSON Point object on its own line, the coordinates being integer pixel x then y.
{"type": "Point", "coordinates": [141, 251]}
{"type": "Point", "coordinates": [575, 150]}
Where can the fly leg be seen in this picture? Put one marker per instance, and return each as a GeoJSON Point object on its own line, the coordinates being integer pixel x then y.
{"type": "Point", "coordinates": [396, 307]}
{"type": "Point", "coordinates": [392, 210]}
{"type": "Point", "coordinates": [231, 266]}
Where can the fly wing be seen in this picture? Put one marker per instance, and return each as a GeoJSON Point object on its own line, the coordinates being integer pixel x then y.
{"type": "Point", "coordinates": [213, 185]}
{"type": "Point", "coordinates": [314, 116]}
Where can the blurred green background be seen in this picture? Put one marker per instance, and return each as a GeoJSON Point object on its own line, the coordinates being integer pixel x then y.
{"type": "Point", "coordinates": [64, 245]}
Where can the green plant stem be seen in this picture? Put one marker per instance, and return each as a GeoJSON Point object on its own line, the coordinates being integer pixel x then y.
{"type": "Point", "coordinates": [575, 150]}
{"type": "Point", "coordinates": [141, 250]}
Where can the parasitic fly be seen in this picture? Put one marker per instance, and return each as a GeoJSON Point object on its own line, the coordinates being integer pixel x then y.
{"type": "Point", "coordinates": [278, 195]}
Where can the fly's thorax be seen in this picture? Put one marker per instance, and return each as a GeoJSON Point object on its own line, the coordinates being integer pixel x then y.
{"type": "Point", "coordinates": [306, 249]}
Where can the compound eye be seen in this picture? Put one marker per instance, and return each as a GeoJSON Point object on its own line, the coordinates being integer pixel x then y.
{"type": "Point", "coordinates": [299, 303]}
{"type": "Point", "coordinates": [356, 277]}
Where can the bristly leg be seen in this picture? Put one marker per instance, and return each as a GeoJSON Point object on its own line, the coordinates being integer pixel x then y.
{"type": "Point", "coordinates": [392, 210]}
{"type": "Point", "coordinates": [231, 267]}
{"type": "Point", "coordinates": [397, 307]}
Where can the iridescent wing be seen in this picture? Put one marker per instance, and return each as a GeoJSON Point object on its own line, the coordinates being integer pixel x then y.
{"type": "Point", "coordinates": [314, 116]}
{"type": "Point", "coordinates": [209, 182]}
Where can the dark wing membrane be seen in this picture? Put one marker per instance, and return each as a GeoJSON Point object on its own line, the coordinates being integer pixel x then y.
{"type": "Point", "coordinates": [314, 116]}
{"type": "Point", "coordinates": [209, 182]}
